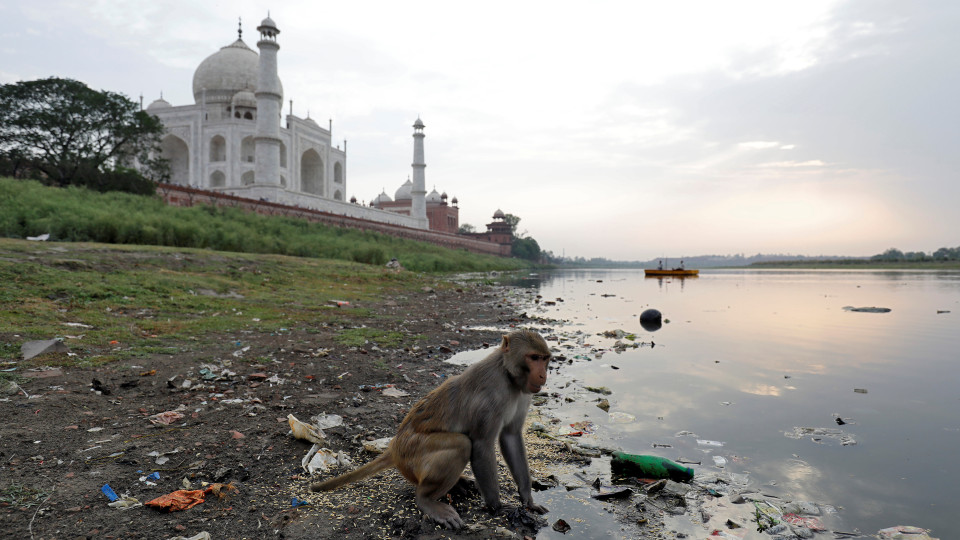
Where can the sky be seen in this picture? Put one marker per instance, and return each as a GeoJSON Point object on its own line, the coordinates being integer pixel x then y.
{"type": "Point", "coordinates": [628, 130]}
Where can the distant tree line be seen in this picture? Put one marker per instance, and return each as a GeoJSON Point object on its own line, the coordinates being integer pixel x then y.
{"type": "Point", "coordinates": [62, 133]}
{"type": "Point", "coordinates": [895, 255]}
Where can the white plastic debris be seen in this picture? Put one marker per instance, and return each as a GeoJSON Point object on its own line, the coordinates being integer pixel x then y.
{"type": "Point", "coordinates": [378, 446]}
{"type": "Point", "coordinates": [323, 459]}
{"type": "Point", "coordinates": [393, 391]}
{"type": "Point", "coordinates": [305, 431]}
{"type": "Point", "coordinates": [327, 421]}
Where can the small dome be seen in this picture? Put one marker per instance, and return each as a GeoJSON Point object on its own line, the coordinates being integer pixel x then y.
{"type": "Point", "coordinates": [444, 195]}
{"type": "Point", "coordinates": [268, 29]}
{"type": "Point", "coordinates": [455, 201]}
{"type": "Point", "coordinates": [403, 192]}
{"type": "Point", "coordinates": [418, 123]}
{"type": "Point", "coordinates": [268, 22]}
{"type": "Point", "coordinates": [434, 197]}
{"type": "Point", "coordinates": [159, 104]}
{"type": "Point", "coordinates": [311, 121]}
{"type": "Point", "coordinates": [382, 198]}
{"type": "Point", "coordinates": [353, 199]}
{"type": "Point", "coordinates": [499, 214]}
{"type": "Point", "coordinates": [244, 98]}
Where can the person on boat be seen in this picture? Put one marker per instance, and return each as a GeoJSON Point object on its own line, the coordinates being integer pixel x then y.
{"type": "Point", "coordinates": [681, 264]}
{"type": "Point", "coordinates": [660, 264]}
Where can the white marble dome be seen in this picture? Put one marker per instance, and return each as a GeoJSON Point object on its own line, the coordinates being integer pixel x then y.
{"type": "Point", "coordinates": [404, 192]}
{"type": "Point", "coordinates": [382, 198]}
{"type": "Point", "coordinates": [232, 69]}
{"type": "Point", "coordinates": [159, 104]}
{"type": "Point", "coordinates": [244, 98]}
{"type": "Point", "coordinates": [434, 197]}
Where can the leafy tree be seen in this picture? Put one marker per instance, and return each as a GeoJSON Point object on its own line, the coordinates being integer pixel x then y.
{"type": "Point", "coordinates": [467, 228]}
{"type": "Point", "coordinates": [892, 254]}
{"type": "Point", "coordinates": [526, 248]}
{"type": "Point", "coordinates": [64, 129]}
{"type": "Point", "coordinates": [513, 221]}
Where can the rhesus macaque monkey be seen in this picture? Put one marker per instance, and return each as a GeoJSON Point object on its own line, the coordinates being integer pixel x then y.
{"type": "Point", "coordinates": [459, 422]}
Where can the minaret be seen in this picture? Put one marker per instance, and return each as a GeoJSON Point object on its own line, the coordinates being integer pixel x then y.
{"type": "Point", "coordinates": [269, 97]}
{"type": "Point", "coordinates": [418, 208]}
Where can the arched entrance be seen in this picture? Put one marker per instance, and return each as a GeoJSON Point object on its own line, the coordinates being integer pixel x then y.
{"type": "Point", "coordinates": [311, 173]}
{"type": "Point", "coordinates": [176, 152]}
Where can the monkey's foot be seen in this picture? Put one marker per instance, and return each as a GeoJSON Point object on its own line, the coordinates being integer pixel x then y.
{"type": "Point", "coordinates": [442, 513]}
{"type": "Point", "coordinates": [532, 506]}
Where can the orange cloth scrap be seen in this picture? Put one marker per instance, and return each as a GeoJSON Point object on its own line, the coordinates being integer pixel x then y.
{"type": "Point", "coordinates": [183, 499]}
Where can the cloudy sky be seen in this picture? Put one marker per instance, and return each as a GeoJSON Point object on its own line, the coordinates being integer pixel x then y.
{"type": "Point", "coordinates": [627, 130]}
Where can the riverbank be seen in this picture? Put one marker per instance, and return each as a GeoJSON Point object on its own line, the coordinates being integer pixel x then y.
{"type": "Point", "coordinates": [180, 369]}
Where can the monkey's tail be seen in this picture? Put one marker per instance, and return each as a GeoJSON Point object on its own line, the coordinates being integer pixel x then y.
{"type": "Point", "coordinates": [383, 461]}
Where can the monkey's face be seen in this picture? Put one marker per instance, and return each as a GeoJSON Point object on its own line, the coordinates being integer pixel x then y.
{"type": "Point", "coordinates": [536, 370]}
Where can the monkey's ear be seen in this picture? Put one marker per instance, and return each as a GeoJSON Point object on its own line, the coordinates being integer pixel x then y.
{"type": "Point", "coordinates": [505, 344]}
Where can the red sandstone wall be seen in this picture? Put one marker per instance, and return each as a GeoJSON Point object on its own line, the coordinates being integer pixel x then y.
{"type": "Point", "coordinates": [185, 196]}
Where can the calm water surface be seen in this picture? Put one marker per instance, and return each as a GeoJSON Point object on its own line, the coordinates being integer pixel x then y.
{"type": "Point", "coordinates": [748, 357]}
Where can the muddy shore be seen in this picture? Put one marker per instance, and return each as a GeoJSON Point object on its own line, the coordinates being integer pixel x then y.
{"type": "Point", "coordinates": [69, 431]}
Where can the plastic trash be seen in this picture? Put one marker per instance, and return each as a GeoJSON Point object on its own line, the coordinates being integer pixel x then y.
{"type": "Point", "coordinates": [621, 418]}
{"type": "Point", "coordinates": [108, 491]}
{"type": "Point", "coordinates": [904, 532]}
{"type": "Point", "coordinates": [125, 503]}
{"type": "Point", "coordinates": [812, 523]}
{"type": "Point", "coordinates": [704, 442]}
{"type": "Point", "coordinates": [183, 499]}
{"type": "Point", "coordinates": [768, 515]}
{"type": "Point", "coordinates": [377, 446]}
{"type": "Point", "coordinates": [199, 536]}
{"type": "Point", "coordinates": [606, 493]}
{"type": "Point", "coordinates": [295, 502]}
{"type": "Point", "coordinates": [393, 391]}
{"type": "Point", "coordinates": [327, 421]}
{"type": "Point", "coordinates": [719, 461]}
{"type": "Point", "coordinates": [168, 417]}
{"type": "Point", "coordinates": [35, 348]}
{"type": "Point", "coordinates": [624, 464]}
{"type": "Point", "coordinates": [307, 432]}
{"type": "Point", "coordinates": [323, 459]}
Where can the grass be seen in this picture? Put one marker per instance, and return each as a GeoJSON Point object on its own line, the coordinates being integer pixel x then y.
{"type": "Point", "coordinates": [73, 214]}
{"type": "Point", "coordinates": [134, 301]}
{"type": "Point", "coordinates": [20, 496]}
{"type": "Point", "coordinates": [359, 337]}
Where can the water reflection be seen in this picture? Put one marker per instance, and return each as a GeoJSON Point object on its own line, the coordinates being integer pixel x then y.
{"type": "Point", "coordinates": [745, 356]}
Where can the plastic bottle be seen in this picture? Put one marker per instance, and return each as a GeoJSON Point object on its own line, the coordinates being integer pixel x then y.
{"type": "Point", "coordinates": [625, 464]}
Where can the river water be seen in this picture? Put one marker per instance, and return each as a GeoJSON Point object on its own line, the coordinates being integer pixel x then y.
{"type": "Point", "coordinates": [751, 359]}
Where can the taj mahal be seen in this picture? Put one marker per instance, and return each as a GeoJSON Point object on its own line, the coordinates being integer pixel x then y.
{"type": "Point", "coordinates": [235, 139]}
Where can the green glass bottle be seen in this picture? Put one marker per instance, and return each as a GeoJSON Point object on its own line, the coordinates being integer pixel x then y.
{"type": "Point", "coordinates": [639, 466]}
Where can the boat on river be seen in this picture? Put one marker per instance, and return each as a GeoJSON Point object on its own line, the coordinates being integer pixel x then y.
{"type": "Point", "coordinates": [670, 272]}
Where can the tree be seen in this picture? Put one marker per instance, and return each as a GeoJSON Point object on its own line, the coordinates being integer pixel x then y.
{"type": "Point", "coordinates": [65, 129]}
{"type": "Point", "coordinates": [513, 221]}
{"type": "Point", "coordinates": [466, 228]}
{"type": "Point", "coordinates": [525, 248]}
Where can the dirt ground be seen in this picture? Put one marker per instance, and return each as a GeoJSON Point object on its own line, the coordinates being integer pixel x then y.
{"type": "Point", "coordinates": [70, 431]}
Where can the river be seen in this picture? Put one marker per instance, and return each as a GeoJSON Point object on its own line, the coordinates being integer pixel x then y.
{"type": "Point", "coordinates": [751, 359]}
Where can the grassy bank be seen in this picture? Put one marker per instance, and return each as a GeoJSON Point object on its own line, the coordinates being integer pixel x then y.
{"type": "Point", "coordinates": [134, 301]}
{"type": "Point", "coordinates": [27, 208]}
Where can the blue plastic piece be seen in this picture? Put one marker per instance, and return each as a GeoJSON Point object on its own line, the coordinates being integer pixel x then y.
{"type": "Point", "coordinates": [108, 491]}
